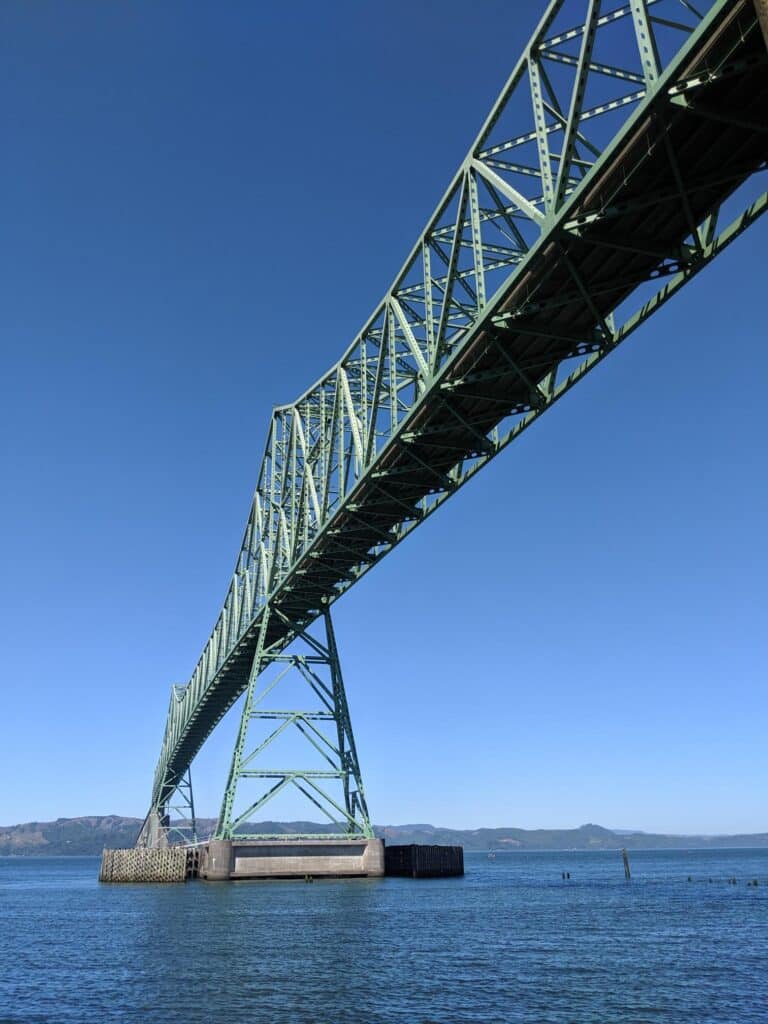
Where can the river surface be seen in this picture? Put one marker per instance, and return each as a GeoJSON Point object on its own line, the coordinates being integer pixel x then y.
{"type": "Point", "coordinates": [511, 941]}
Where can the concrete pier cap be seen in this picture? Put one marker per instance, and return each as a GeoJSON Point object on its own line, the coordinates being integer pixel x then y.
{"type": "Point", "coordinates": [336, 857]}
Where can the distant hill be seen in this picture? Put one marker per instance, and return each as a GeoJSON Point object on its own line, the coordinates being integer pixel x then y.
{"type": "Point", "coordinates": [68, 836]}
{"type": "Point", "coordinates": [587, 837]}
{"type": "Point", "coordinates": [81, 836]}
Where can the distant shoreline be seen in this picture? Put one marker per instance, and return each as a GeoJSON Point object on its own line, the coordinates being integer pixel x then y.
{"type": "Point", "coordinates": [480, 853]}
{"type": "Point", "coordinates": [87, 836]}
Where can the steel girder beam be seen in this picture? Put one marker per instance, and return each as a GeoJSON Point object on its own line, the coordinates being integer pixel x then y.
{"type": "Point", "coordinates": [555, 218]}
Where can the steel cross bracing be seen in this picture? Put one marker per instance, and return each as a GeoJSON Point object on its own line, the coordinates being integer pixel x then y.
{"type": "Point", "coordinates": [604, 166]}
{"type": "Point", "coordinates": [174, 824]}
{"type": "Point", "coordinates": [327, 729]}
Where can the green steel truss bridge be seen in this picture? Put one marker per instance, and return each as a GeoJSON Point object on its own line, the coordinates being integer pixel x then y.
{"type": "Point", "coordinates": [627, 149]}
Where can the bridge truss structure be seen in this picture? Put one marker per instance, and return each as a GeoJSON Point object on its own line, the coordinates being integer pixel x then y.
{"type": "Point", "coordinates": [626, 151]}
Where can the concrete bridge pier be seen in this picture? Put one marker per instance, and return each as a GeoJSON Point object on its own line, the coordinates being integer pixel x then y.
{"type": "Point", "coordinates": [224, 860]}
{"type": "Point", "coordinates": [216, 860]}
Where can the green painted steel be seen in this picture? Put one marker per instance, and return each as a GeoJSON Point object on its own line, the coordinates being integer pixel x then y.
{"type": "Point", "coordinates": [347, 812]}
{"type": "Point", "coordinates": [173, 824]}
{"type": "Point", "coordinates": [603, 168]}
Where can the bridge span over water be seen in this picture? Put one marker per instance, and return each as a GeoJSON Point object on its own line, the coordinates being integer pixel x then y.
{"type": "Point", "coordinates": [627, 149]}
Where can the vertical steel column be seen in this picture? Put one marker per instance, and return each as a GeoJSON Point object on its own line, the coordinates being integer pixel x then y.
{"type": "Point", "coordinates": [223, 826]}
{"type": "Point", "coordinates": [354, 799]}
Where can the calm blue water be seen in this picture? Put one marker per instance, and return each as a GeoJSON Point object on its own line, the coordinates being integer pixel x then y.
{"type": "Point", "coordinates": [511, 941]}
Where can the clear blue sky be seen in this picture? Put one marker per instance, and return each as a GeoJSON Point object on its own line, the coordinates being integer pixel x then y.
{"type": "Point", "coordinates": [201, 203]}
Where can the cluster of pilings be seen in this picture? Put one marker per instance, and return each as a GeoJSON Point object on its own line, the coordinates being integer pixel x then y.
{"type": "Point", "coordinates": [144, 865]}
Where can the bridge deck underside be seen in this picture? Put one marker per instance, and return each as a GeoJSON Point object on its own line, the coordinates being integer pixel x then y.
{"type": "Point", "coordinates": [675, 166]}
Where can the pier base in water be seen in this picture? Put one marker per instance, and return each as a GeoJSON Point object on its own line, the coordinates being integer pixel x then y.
{"type": "Point", "coordinates": [229, 859]}
{"type": "Point", "coordinates": [226, 860]}
{"type": "Point", "coordinates": [424, 861]}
